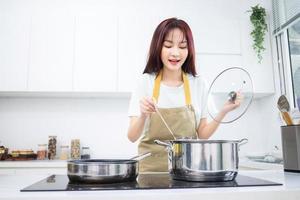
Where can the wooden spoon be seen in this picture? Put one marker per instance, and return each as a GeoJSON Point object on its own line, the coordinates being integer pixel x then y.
{"type": "Point", "coordinates": [284, 107]}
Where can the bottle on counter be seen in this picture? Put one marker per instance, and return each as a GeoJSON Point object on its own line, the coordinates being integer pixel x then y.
{"type": "Point", "coordinates": [85, 153]}
{"type": "Point", "coordinates": [75, 149]}
{"type": "Point", "coordinates": [42, 152]}
{"type": "Point", "coordinates": [64, 153]}
{"type": "Point", "coordinates": [52, 147]}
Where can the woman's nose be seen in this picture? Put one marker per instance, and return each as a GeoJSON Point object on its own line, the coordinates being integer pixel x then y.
{"type": "Point", "coordinates": [175, 51]}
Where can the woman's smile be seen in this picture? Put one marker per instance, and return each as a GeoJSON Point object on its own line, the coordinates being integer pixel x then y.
{"type": "Point", "coordinates": [174, 61]}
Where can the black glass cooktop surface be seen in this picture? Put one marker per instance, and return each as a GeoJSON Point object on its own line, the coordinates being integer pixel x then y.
{"type": "Point", "coordinates": [144, 181]}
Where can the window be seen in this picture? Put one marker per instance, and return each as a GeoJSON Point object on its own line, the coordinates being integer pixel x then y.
{"type": "Point", "coordinates": [286, 30]}
{"type": "Point", "coordinates": [294, 49]}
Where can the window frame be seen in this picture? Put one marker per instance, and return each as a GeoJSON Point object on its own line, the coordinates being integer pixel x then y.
{"type": "Point", "coordinates": [284, 64]}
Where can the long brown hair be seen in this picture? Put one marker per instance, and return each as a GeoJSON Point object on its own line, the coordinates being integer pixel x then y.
{"type": "Point", "coordinates": [154, 62]}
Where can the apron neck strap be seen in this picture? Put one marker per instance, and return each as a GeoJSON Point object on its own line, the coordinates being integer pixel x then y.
{"type": "Point", "coordinates": [186, 87]}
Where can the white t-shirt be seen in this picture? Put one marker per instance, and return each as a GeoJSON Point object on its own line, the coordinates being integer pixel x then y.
{"type": "Point", "coordinates": [170, 97]}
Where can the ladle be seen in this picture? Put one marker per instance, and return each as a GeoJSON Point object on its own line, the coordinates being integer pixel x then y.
{"type": "Point", "coordinates": [162, 118]}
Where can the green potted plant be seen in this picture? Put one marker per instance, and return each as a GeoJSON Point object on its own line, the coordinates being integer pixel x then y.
{"type": "Point", "coordinates": [258, 21]}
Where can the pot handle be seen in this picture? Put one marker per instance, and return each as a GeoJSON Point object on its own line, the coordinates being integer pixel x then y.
{"type": "Point", "coordinates": [167, 145]}
{"type": "Point", "coordinates": [243, 141]}
{"type": "Point", "coordinates": [141, 157]}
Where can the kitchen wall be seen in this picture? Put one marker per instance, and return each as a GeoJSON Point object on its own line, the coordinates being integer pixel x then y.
{"type": "Point", "coordinates": [101, 121]}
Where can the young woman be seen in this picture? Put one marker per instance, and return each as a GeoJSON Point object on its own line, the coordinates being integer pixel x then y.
{"type": "Point", "coordinates": [171, 85]}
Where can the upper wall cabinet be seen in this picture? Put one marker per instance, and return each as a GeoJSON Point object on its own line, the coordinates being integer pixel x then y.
{"type": "Point", "coordinates": [236, 51]}
{"type": "Point", "coordinates": [209, 66]}
{"type": "Point", "coordinates": [103, 46]}
{"type": "Point", "coordinates": [216, 36]}
{"type": "Point", "coordinates": [262, 74]}
{"type": "Point", "coordinates": [14, 44]}
{"type": "Point", "coordinates": [96, 51]}
{"type": "Point", "coordinates": [51, 53]}
{"type": "Point", "coordinates": [135, 35]}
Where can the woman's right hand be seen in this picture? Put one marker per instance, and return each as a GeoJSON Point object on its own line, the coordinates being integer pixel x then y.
{"type": "Point", "coordinates": [147, 106]}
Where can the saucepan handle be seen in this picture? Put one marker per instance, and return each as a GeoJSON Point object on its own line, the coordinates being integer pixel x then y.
{"type": "Point", "coordinates": [141, 157]}
{"type": "Point", "coordinates": [243, 141]}
{"type": "Point", "coordinates": [167, 145]}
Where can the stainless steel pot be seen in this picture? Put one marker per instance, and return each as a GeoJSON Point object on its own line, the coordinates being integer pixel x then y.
{"type": "Point", "coordinates": [104, 170]}
{"type": "Point", "coordinates": [203, 160]}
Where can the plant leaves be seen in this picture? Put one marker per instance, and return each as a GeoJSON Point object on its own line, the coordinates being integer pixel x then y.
{"type": "Point", "coordinates": [257, 19]}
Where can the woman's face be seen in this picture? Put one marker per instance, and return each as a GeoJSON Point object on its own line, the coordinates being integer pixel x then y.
{"type": "Point", "coordinates": [174, 51]}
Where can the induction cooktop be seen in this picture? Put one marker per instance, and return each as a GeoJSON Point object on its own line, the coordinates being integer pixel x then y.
{"type": "Point", "coordinates": [143, 181]}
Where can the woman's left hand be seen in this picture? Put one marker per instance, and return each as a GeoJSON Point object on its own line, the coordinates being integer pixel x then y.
{"type": "Point", "coordinates": [231, 105]}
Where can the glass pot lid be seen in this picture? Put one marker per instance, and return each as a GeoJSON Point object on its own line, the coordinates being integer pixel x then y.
{"type": "Point", "coordinates": [224, 88]}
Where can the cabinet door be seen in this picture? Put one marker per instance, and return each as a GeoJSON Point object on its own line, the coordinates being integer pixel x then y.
{"type": "Point", "coordinates": [218, 46]}
{"type": "Point", "coordinates": [135, 35]}
{"type": "Point", "coordinates": [236, 51]}
{"type": "Point", "coordinates": [209, 66]}
{"type": "Point", "coordinates": [14, 43]}
{"type": "Point", "coordinates": [216, 36]}
{"type": "Point", "coordinates": [51, 53]}
{"type": "Point", "coordinates": [95, 66]}
{"type": "Point", "coordinates": [262, 74]}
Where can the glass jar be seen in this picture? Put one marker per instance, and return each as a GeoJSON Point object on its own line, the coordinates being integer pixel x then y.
{"type": "Point", "coordinates": [52, 147]}
{"type": "Point", "coordinates": [85, 153]}
{"type": "Point", "coordinates": [75, 149]}
{"type": "Point", "coordinates": [42, 152]}
{"type": "Point", "coordinates": [64, 153]}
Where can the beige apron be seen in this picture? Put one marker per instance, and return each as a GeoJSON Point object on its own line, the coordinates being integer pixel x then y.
{"type": "Point", "coordinates": [182, 122]}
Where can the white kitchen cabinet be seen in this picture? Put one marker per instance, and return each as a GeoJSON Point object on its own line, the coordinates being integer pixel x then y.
{"type": "Point", "coordinates": [96, 49]}
{"type": "Point", "coordinates": [216, 36]}
{"type": "Point", "coordinates": [51, 53]}
{"type": "Point", "coordinates": [14, 44]}
{"type": "Point", "coordinates": [239, 54]}
{"type": "Point", "coordinates": [262, 74]}
{"type": "Point", "coordinates": [134, 38]}
{"type": "Point", "coordinates": [104, 49]}
{"type": "Point", "coordinates": [209, 66]}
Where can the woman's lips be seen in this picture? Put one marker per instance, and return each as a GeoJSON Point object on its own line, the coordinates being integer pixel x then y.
{"type": "Point", "coordinates": [174, 62]}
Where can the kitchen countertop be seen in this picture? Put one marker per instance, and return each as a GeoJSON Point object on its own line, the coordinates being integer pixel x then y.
{"type": "Point", "coordinates": [246, 163]}
{"type": "Point", "coordinates": [10, 186]}
{"type": "Point", "coordinates": [34, 164]}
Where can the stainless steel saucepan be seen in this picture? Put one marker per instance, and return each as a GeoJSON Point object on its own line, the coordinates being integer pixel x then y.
{"type": "Point", "coordinates": [203, 160]}
{"type": "Point", "coordinates": [104, 170]}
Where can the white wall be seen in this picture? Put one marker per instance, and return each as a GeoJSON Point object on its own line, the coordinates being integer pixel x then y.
{"type": "Point", "coordinates": [101, 123]}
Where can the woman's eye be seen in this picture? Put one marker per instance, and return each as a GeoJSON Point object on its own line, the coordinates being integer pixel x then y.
{"type": "Point", "coordinates": [183, 47]}
{"type": "Point", "coordinates": [167, 46]}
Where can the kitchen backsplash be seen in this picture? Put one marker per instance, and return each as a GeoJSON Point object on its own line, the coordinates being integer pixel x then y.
{"type": "Point", "coordinates": [101, 124]}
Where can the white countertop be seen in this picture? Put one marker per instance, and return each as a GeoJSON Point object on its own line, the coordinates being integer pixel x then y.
{"type": "Point", "coordinates": [10, 186]}
{"type": "Point", "coordinates": [245, 163]}
{"type": "Point", "coordinates": [34, 164]}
